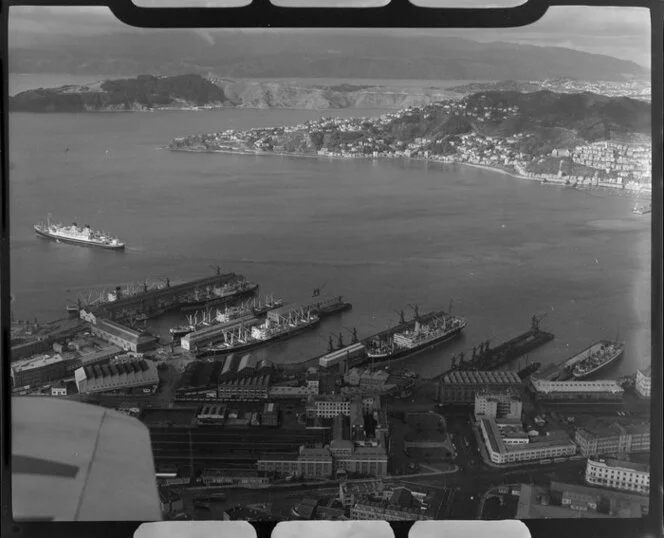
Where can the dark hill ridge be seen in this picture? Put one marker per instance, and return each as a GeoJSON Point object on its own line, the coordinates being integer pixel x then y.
{"type": "Point", "coordinates": [140, 93]}
{"type": "Point", "coordinates": [324, 54]}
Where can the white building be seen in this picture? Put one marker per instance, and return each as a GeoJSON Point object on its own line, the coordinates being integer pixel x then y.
{"type": "Point", "coordinates": [618, 474]}
{"type": "Point", "coordinates": [643, 382]}
{"type": "Point", "coordinates": [544, 389]}
{"type": "Point", "coordinates": [503, 452]}
{"type": "Point", "coordinates": [498, 405]}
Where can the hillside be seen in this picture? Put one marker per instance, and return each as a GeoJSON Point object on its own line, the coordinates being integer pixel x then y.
{"type": "Point", "coordinates": [534, 124]}
{"type": "Point", "coordinates": [302, 54]}
{"type": "Point", "coordinates": [144, 92]}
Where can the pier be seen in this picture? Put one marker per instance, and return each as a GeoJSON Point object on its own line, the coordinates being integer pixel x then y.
{"type": "Point", "coordinates": [486, 358]}
{"type": "Point", "coordinates": [157, 301]}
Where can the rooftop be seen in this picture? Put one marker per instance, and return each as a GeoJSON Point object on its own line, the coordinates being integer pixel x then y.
{"type": "Point", "coordinates": [475, 378]}
{"type": "Point", "coordinates": [36, 362]}
{"type": "Point", "coordinates": [621, 464]}
{"type": "Point", "coordinates": [576, 386]}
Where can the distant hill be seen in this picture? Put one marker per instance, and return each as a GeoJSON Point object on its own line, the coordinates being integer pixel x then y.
{"type": "Point", "coordinates": [140, 93]}
{"type": "Point", "coordinates": [148, 92]}
{"type": "Point", "coordinates": [348, 55]}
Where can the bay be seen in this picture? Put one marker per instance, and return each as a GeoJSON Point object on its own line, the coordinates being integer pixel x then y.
{"type": "Point", "coordinates": [384, 234]}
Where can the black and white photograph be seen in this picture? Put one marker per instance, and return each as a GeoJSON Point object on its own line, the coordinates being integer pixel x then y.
{"type": "Point", "coordinates": [294, 274]}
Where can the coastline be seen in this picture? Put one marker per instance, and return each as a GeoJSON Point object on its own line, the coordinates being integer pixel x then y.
{"type": "Point", "coordinates": [543, 181]}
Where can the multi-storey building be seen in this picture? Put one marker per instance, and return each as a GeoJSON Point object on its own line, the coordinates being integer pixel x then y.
{"type": "Point", "coordinates": [309, 463]}
{"type": "Point", "coordinates": [460, 387]}
{"type": "Point", "coordinates": [575, 390]}
{"type": "Point", "coordinates": [364, 460]}
{"type": "Point", "coordinates": [270, 415]}
{"type": "Point", "coordinates": [39, 370]}
{"type": "Point", "coordinates": [605, 439]}
{"type": "Point", "coordinates": [618, 474]}
{"type": "Point", "coordinates": [498, 405]}
{"type": "Point", "coordinates": [331, 406]}
{"type": "Point", "coordinates": [502, 449]}
{"type": "Point", "coordinates": [245, 388]}
{"type": "Point", "coordinates": [642, 384]}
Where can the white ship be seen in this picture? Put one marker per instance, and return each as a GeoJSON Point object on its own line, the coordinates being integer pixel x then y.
{"type": "Point", "coordinates": [78, 235]}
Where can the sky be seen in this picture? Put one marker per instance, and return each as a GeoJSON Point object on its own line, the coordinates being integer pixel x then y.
{"type": "Point", "coordinates": [615, 31]}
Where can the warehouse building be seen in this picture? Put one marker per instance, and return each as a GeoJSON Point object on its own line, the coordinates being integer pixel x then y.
{"type": "Point", "coordinates": [337, 357]}
{"type": "Point", "coordinates": [460, 387]}
{"type": "Point", "coordinates": [618, 474]}
{"type": "Point", "coordinates": [599, 438]}
{"type": "Point", "coordinates": [123, 337]}
{"type": "Point", "coordinates": [135, 374]}
{"type": "Point", "coordinates": [575, 390]}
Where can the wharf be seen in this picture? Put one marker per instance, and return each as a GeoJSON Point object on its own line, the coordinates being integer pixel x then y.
{"type": "Point", "coordinates": [155, 301]}
{"type": "Point", "coordinates": [329, 307]}
{"type": "Point", "coordinates": [492, 358]}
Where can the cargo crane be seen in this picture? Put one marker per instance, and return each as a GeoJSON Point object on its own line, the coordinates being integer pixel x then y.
{"type": "Point", "coordinates": [217, 269]}
{"type": "Point", "coordinates": [353, 333]}
{"type": "Point", "coordinates": [317, 291]}
{"type": "Point", "coordinates": [416, 311]}
{"type": "Point", "coordinates": [402, 316]}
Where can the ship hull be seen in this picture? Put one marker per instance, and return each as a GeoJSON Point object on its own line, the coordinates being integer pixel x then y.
{"type": "Point", "coordinates": [403, 353]}
{"type": "Point", "coordinates": [258, 343]}
{"type": "Point", "coordinates": [46, 235]}
{"type": "Point", "coordinates": [600, 367]}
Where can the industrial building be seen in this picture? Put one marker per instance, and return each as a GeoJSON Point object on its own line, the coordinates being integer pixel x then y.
{"type": "Point", "coordinates": [518, 449]}
{"type": "Point", "coordinates": [600, 439]}
{"type": "Point", "coordinates": [39, 370]}
{"type": "Point", "coordinates": [138, 373]}
{"type": "Point", "coordinates": [498, 405]}
{"type": "Point", "coordinates": [330, 406]}
{"type": "Point", "coordinates": [618, 474]}
{"type": "Point", "coordinates": [246, 388]}
{"type": "Point", "coordinates": [123, 337]}
{"type": "Point", "coordinates": [642, 384]}
{"type": "Point", "coordinates": [460, 387]}
{"type": "Point", "coordinates": [367, 460]}
{"type": "Point", "coordinates": [575, 390]}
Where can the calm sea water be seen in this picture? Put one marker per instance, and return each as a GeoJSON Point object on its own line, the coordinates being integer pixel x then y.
{"type": "Point", "coordinates": [385, 234]}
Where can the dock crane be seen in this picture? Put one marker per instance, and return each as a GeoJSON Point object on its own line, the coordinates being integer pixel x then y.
{"type": "Point", "coordinates": [416, 310]}
{"type": "Point", "coordinates": [402, 316]}
{"type": "Point", "coordinates": [353, 333]}
{"type": "Point", "coordinates": [536, 321]}
{"type": "Point", "coordinates": [317, 291]}
{"type": "Point", "coordinates": [217, 269]}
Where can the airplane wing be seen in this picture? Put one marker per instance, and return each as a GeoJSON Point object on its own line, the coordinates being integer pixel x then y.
{"type": "Point", "coordinates": [79, 462]}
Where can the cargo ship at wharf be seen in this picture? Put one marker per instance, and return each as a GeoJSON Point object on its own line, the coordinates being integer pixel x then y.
{"type": "Point", "coordinates": [77, 235]}
{"type": "Point", "coordinates": [589, 361]}
{"type": "Point", "coordinates": [408, 338]}
{"type": "Point", "coordinates": [251, 334]}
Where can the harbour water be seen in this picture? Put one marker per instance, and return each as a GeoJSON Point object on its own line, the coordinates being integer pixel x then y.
{"type": "Point", "coordinates": [384, 234]}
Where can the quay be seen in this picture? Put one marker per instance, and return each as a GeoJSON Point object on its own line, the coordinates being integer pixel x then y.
{"type": "Point", "coordinates": [492, 358]}
{"type": "Point", "coordinates": [157, 301]}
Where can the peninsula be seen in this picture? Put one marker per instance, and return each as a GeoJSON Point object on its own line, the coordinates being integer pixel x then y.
{"type": "Point", "coordinates": [573, 138]}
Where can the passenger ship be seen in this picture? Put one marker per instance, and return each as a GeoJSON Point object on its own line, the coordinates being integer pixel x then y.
{"type": "Point", "coordinates": [78, 235]}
